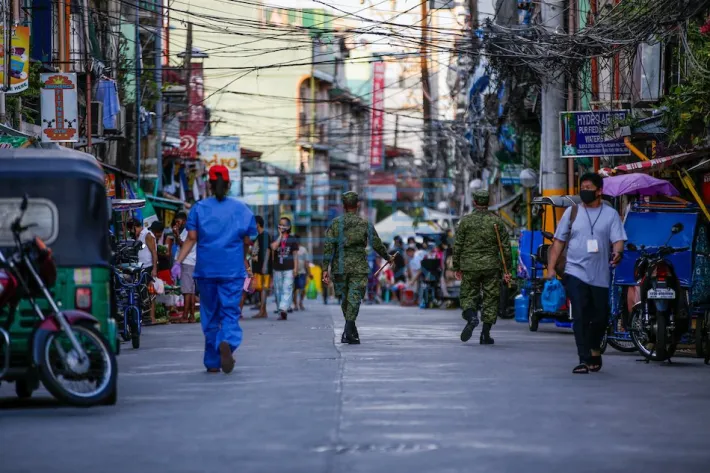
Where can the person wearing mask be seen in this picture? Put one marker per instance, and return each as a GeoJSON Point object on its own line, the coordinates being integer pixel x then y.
{"type": "Point", "coordinates": [594, 236]}
{"type": "Point", "coordinates": [479, 267]}
{"type": "Point", "coordinates": [285, 264]}
{"type": "Point", "coordinates": [261, 266]}
{"type": "Point", "coordinates": [148, 254]}
{"type": "Point", "coordinates": [187, 281]}
{"type": "Point", "coordinates": [299, 293]}
{"type": "Point", "coordinates": [220, 227]}
{"type": "Point", "coordinates": [345, 256]}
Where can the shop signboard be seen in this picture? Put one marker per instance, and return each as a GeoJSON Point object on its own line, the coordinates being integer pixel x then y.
{"type": "Point", "coordinates": [8, 142]}
{"type": "Point", "coordinates": [584, 134]}
{"type": "Point", "coordinates": [706, 188]}
{"type": "Point", "coordinates": [510, 174]}
{"type": "Point", "coordinates": [19, 59]}
{"type": "Point", "coordinates": [260, 190]}
{"type": "Point", "coordinates": [377, 147]}
{"type": "Point", "coordinates": [60, 115]}
{"type": "Point", "coordinates": [224, 151]}
{"type": "Point", "coordinates": [110, 184]}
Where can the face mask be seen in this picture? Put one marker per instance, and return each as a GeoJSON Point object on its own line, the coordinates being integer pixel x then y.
{"type": "Point", "coordinates": [588, 196]}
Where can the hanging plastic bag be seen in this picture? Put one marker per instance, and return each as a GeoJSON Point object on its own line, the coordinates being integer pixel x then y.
{"type": "Point", "coordinates": [553, 296]}
{"type": "Point", "coordinates": [312, 290]}
{"type": "Point", "coordinates": [159, 286]}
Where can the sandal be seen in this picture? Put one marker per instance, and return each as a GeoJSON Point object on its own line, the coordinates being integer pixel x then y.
{"type": "Point", "coordinates": [595, 364]}
{"type": "Point", "coordinates": [581, 369]}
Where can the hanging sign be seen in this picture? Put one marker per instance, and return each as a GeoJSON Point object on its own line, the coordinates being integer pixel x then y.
{"type": "Point", "coordinates": [59, 107]}
{"type": "Point", "coordinates": [19, 59]}
{"type": "Point", "coordinates": [110, 184]}
{"type": "Point", "coordinates": [225, 151]}
{"type": "Point", "coordinates": [8, 142]}
{"type": "Point", "coordinates": [583, 134]}
{"type": "Point", "coordinates": [377, 148]}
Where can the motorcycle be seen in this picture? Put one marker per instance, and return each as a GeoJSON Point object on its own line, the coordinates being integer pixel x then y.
{"type": "Point", "coordinates": [661, 317]}
{"type": "Point", "coordinates": [68, 353]}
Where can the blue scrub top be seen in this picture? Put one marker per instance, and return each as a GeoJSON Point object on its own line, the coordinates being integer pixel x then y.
{"type": "Point", "coordinates": [221, 228]}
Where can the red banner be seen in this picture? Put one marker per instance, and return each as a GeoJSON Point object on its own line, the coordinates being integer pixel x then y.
{"type": "Point", "coordinates": [377, 146]}
{"type": "Point", "coordinates": [194, 123]}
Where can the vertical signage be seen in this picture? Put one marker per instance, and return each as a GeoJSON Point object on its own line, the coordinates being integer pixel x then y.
{"type": "Point", "coordinates": [60, 114]}
{"type": "Point", "coordinates": [19, 59]}
{"type": "Point", "coordinates": [195, 121]}
{"type": "Point", "coordinates": [377, 148]}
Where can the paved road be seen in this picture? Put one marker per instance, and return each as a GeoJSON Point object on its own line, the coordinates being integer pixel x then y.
{"type": "Point", "coordinates": [411, 399]}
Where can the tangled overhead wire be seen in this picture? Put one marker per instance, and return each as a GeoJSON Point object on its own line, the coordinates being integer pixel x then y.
{"type": "Point", "coordinates": [621, 28]}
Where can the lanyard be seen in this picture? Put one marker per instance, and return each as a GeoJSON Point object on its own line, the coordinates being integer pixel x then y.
{"type": "Point", "coordinates": [601, 209]}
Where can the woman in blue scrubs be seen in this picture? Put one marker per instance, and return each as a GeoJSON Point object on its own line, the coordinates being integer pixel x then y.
{"type": "Point", "coordinates": [220, 226]}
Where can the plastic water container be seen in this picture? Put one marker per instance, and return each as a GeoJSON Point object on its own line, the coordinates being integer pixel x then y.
{"type": "Point", "coordinates": [521, 308]}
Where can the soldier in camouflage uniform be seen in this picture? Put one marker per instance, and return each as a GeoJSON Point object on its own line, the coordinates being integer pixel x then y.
{"type": "Point", "coordinates": [345, 257]}
{"type": "Point", "coordinates": [477, 262]}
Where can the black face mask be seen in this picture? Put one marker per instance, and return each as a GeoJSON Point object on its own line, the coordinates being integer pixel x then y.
{"type": "Point", "coordinates": [588, 196]}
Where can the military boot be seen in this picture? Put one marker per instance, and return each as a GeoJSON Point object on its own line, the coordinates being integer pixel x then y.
{"type": "Point", "coordinates": [471, 318]}
{"type": "Point", "coordinates": [486, 338]}
{"type": "Point", "coordinates": [344, 339]}
{"type": "Point", "coordinates": [350, 334]}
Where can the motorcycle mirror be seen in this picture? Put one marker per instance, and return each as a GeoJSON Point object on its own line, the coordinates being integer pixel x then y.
{"type": "Point", "coordinates": [25, 202]}
{"type": "Point", "coordinates": [677, 228]}
{"type": "Point", "coordinates": [631, 247]}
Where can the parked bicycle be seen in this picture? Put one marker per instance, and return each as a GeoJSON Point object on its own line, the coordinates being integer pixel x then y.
{"type": "Point", "coordinates": [129, 279]}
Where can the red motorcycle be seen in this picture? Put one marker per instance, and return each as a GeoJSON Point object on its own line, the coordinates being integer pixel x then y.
{"type": "Point", "coordinates": [67, 352]}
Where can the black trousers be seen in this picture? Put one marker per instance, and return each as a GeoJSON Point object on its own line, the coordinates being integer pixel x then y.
{"type": "Point", "coordinates": [590, 314]}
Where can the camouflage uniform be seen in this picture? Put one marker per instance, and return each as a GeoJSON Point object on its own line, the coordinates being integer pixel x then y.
{"type": "Point", "coordinates": [345, 252]}
{"type": "Point", "coordinates": [477, 256]}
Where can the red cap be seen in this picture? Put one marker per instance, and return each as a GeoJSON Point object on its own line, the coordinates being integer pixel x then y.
{"type": "Point", "coordinates": [218, 170]}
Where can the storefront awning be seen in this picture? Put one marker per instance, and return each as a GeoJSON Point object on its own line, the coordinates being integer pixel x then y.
{"type": "Point", "coordinates": [658, 163]}
{"type": "Point", "coordinates": [163, 203]}
{"type": "Point", "coordinates": [509, 201]}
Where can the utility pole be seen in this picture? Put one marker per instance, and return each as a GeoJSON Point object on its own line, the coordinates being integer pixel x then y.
{"type": "Point", "coordinates": [426, 87]}
{"type": "Point", "coordinates": [6, 59]}
{"type": "Point", "coordinates": [312, 153]}
{"type": "Point", "coordinates": [137, 67]}
{"type": "Point", "coordinates": [553, 169]}
{"type": "Point", "coordinates": [159, 87]}
{"type": "Point", "coordinates": [188, 65]}
{"type": "Point", "coordinates": [87, 68]}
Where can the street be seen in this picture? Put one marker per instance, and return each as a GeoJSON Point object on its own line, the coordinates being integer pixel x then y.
{"type": "Point", "coordinates": [411, 398]}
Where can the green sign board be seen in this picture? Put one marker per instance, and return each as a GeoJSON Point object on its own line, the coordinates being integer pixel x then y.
{"type": "Point", "coordinates": [7, 142]}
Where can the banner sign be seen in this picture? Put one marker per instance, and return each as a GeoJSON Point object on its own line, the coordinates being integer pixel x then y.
{"type": "Point", "coordinates": [188, 144]}
{"type": "Point", "coordinates": [583, 134]}
{"type": "Point", "coordinates": [9, 142]}
{"type": "Point", "coordinates": [110, 184]}
{"type": "Point", "coordinates": [19, 59]}
{"type": "Point", "coordinates": [225, 151]}
{"type": "Point", "coordinates": [261, 190]}
{"type": "Point", "coordinates": [60, 115]}
{"type": "Point", "coordinates": [377, 148]}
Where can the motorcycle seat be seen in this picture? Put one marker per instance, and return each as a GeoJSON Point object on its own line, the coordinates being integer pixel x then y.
{"type": "Point", "coordinates": [130, 268]}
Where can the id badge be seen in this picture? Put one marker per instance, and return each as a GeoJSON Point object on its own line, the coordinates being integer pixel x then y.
{"type": "Point", "coordinates": [592, 246]}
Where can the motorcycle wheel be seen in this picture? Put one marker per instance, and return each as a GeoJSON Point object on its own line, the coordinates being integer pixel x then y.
{"type": "Point", "coordinates": [62, 375]}
{"type": "Point", "coordinates": [623, 346]}
{"type": "Point", "coordinates": [642, 339]}
{"type": "Point", "coordinates": [23, 389]}
{"type": "Point", "coordinates": [604, 343]}
{"type": "Point", "coordinates": [533, 321]}
{"type": "Point", "coordinates": [661, 337]}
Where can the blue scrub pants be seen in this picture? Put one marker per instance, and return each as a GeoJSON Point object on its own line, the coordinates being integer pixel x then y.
{"type": "Point", "coordinates": [219, 315]}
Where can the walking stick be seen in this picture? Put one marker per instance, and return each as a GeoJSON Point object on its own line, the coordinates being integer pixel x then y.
{"type": "Point", "coordinates": [377, 273]}
{"type": "Point", "coordinates": [502, 256]}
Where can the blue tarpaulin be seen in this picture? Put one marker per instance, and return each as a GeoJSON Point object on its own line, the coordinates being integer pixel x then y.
{"type": "Point", "coordinates": [528, 244]}
{"type": "Point", "coordinates": [652, 229]}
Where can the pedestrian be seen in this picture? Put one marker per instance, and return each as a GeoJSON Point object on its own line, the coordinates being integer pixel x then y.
{"type": "Point", "coordinates": [220, 226]}
{"type": "Point", "coordinates": [594, 236]}
{"type": "Point", "coordinates": [148, 254]}
{"type": "Point", "coordinates": [285, 263]}
{"type": "Point", "coordinates": [299, 293]}
{"type": "Point", "coordinates": [187, 281]}
{"type": "Point", "coordinates": [345, 256]}
{"type": "Point", "coordinates": [478, 265]}
{"type": "Point", "coordinates": [261, 265]}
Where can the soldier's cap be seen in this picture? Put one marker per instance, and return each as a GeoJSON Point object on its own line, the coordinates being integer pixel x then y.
{"type": "Point", "coordinates": [481, 197]}
{"type": "Point", "coordinates": [350, 199]}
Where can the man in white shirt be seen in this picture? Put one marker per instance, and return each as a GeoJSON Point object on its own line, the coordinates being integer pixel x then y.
{"type": "Point", "coordinates": [187, 283]}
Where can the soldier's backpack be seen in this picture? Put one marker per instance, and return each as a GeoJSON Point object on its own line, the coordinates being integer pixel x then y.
{"type": "Point", "coordinates": [562, 260]}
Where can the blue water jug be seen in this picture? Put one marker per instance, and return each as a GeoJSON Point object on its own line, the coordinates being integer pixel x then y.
{"type": "Point", "coordinates": [521, 308]}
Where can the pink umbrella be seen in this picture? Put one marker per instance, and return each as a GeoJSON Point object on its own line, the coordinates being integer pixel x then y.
{"type": "Point", "coordinates": [641, 184]}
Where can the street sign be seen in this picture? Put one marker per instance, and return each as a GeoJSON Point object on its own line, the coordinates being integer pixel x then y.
{"type": "Point", "coordinates": [260, 190]}
{"type": "Point", "coordinates": [586, 134]}
{"type": "Point", "coordinates": [188, 144]}
{"type": "Point", "coordinates": [225, 151]}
